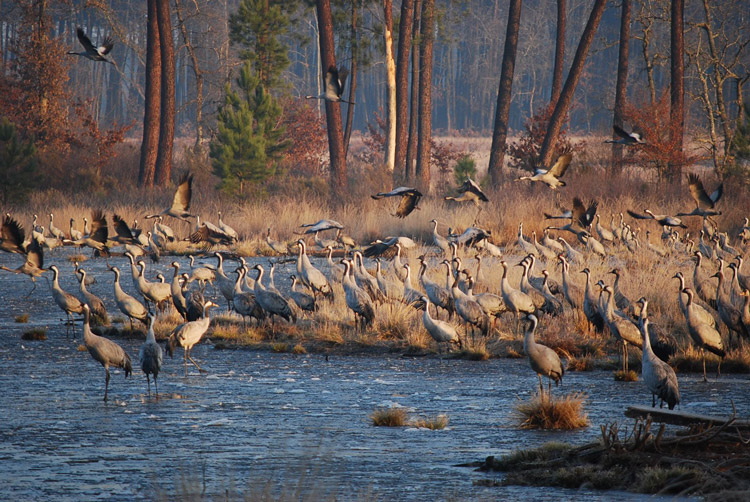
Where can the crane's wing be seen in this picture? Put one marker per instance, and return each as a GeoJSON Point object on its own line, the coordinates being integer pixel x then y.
{"type": "Point", "coordinates": [638, 215]}
{"type": "Point", "coordinates": [470, 186]}
{"type": "Point", "coordinates": [578, 213]}
{"type": "Point", "coordinates": [99, 229]}
{"type": "Point", "coordinates": [85, 42]}
{"type": "Point", "coordinates": [408, 204]}
{"type": "Point", "coordinates": [397, 191]}
{"type": "Point", "coordinates": [590, 213]}
{"type": "Point", "coordinates": [121, 228]}
{"type": "Point", "coordinates": [621, 132]}
{"type": "Point", "coordinates": [701, 198]}
{"type": "Point", "coordinates": [106, 46]}
{"type": "Point", "coordinates": [12, 236]}
{"type": "Point", "coordinates": [332, 82]}
{"type": "Point", "coordinates": [184, 193]}
{"type": "Point", "coordinates": [35, 256]}
{"type": "Point", "coordinates": [343, 73]}
{"type": "Point", "coordinates": [563, 161]}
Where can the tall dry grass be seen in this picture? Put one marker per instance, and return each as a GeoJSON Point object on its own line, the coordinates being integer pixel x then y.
{"type": "Point", "coordinates": [299, 201]}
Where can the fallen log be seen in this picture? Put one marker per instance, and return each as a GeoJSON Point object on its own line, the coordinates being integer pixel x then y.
{"type": "Point", "coordinates": [682, 418]}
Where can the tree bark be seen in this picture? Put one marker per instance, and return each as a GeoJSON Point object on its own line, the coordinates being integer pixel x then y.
{"type": "Point", "coordinates": [676, 89]}
{"type": "Point", "coordinates": [566, 96]}
{"type": "Point", "coordinates": [197, 72]}
{"type": "Point", "coordinates": [622, 83]}
{"type": "Point", "coordinates": [352, 80]}
{"type": "Point", "coordinates": [167, 105]}
{"type": "Point", "coordinates": [504, 93]}
{"type": "Point", "coordinates": [424, 140]}
{"type": "Point", "coordinates": [150, 142]}
{"type": "Point", "coordinates": [411, 149]}
{"type": "Point", "coordinates": [557, 72]}
{"type": "Point", "coordinates": [402, 89]}
{"type": "Point", "coordinates": [333, 110]}
{"type": "Point", "coordinates": [390, 69]}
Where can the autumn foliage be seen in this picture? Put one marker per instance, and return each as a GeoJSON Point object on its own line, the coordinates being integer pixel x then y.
{"type": "Point", "coordinates": [305, 131]}
{"type": "Point", "coordinates": [652, 121]}
{"type": "Point", "coordinates": [524, 153]}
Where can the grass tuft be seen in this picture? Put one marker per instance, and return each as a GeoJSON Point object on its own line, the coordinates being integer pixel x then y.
{"type": "Point", "coordinates": [582, 363]}
{"type": "Point", "coordinates": [435, 423]}
{"type": "Point", "coordinates": [564, 413]}
{"type": "Point", "coordinates": [34, 334]}
{"type": "Point", "coordinates": [626, 376]}
{"type": "Point", "coordinates": [299, 349]}
{"type": "Point", "coordinates": [658, 479]}
{"type": "Point", "coordinates": [389, 417]}
{"type": "Point", "coordinates": [521, 458]}
{"type": "Point", "coordinates": [280, 347]}
{"type": "Point", "coordinates": [22, 319]}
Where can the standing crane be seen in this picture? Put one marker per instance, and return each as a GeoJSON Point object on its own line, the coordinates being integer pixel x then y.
{"type": "Point", "coordinates": [151, 355]}
{"type": "Point", "coordinates": [271, 301]}
{"type": "Point", "coordinates": [188, 334]}
{"type": "Point", "coordinates": [356, 299]}
{"type": "Point", "coordinates": [105, 351]}
{"type": "Point", "coordinates": [69, 303]}
{"type": "Point", "coordinates": [703, 334]}
{"type": "Point", "coordinates": [658, 376]}
{"type": "Point", "coordinates": [543, 360]}
{"type": "Point", "coordinates": [440, 331]}
{"type": "Point", "coordinates": [311, 276]}
{"type": "Point", "coordinates": [128, 305]}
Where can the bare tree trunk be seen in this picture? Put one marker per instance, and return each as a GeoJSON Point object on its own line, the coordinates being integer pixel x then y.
{"type": "Point", "coordinates": [333, 110]}
{"type": "Point", "coordinates": [390, 70]}
{"type": "Point", "coordinates": [167, 108]}
{"type": "Point", "coordinates": [150, 143]}
{"type": "Point", "coordinates": [402, 89]}
{"type": "Point", "coordinates": [566, 96]}
{"type": "Point", "coordinates": [504, 93]}
{"type": "Point", "coordinates": [622, 83]}
{"type": "Point", "coordinates": [557, 73]}
{"type": "Point", "coordinates": [352, 80]}
{"type": "Point", "coordinates": [425, 96]}
{"type": "Point", "coordinates": [197, 72]}
{"type": "Point", "coordinates": [411, 149]}
{"type": "Point", "coordinates": [676, 90]}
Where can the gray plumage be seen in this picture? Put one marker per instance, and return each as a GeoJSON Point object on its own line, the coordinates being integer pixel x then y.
{"type": "Point", "coordinates": [188, 334]}
{"type": "Point", "coordinates": [105, 351]}
{"type": "Point", "coordinates": [542, 359]}
{"type": "Point", "coordinates": [303, 300]}
{"type": "Point", "coordinates": [180, 201]}
{"type": "Point", "coordinates": [658, 376]}
{"type": "Point", "coordinates": [151, 355]}
{"type": "Point", "coordinates": [621, 326]}
{"type": "Point", "coordinates": [272, 302]}
{"type": "Point", "coordinates": [704, 335]}
{"type": "Point", "coordinates": [440, 331]}
{"type": "Point", "coordinates": [98, 310]}
{"type": "Point", "coordinates": [469, 310]}
{"type": "Point", "coordinates": [128, 305]}
{"type": "Point", "coordinates": [356, 299]}
{"type": "Point", "coordinates": [244, 302]}
{"type": "Point", "coordinates": [311, 276]}
{"type": "Point", "coordinates": [69, 303]}
{"type": "Point", "coordinates": [438, 295]}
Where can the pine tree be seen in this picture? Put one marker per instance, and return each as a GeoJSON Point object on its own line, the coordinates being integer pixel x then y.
{"type": "Point", "coordinates": [257, 25]}
{"type": "Point", "coordinates": [249, 139]}
{"type": "Point", "coordinates": [18, 165]}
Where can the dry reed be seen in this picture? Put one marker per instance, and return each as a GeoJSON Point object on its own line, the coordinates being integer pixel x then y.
{"type": "Point", "coordinates": [549, 412]}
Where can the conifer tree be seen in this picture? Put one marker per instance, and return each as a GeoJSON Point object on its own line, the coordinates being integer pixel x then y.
{"type": "Point", "coordinates": [249, 142]}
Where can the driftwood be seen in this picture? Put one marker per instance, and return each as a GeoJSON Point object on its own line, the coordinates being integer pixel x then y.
{"type": "Point", "coordinates": [685, 419]}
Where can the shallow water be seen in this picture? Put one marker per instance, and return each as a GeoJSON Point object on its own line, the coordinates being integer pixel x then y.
{"type": "Point", "coordinates": [263, 421]}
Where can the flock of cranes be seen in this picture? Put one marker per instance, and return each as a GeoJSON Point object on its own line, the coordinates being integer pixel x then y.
{"type": "Point", "coordinates": [715, 300]}
{"type": "Point", "coordinates": [458, 305]}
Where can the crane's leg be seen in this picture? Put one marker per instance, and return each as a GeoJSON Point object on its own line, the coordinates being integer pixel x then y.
{"type": "Point", "coordinates": [32, 290]}
{"type": "Point", "coordinates": [196, 364]}
{"type": "Point", "coordinates": [106, 384]}
{"type": "Point", "coordinates": [148, 381]}
{"type": "Point", "coordinates": [541, 387]}
{"type": "Point", "coordinates": [653, 401]}
{"type": "Point", "coordinates": [703, 356]}
{"type": "Point", "coordinates": [186, 356]}
{"type": "Point", "coordinates": [549, 386]}
{"type": "Point", "coordinates": [156, 386]}
{"type": "Point", "coordinates": [627, 360]}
